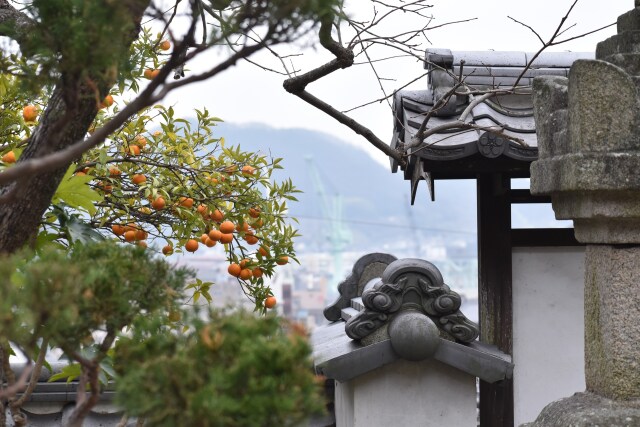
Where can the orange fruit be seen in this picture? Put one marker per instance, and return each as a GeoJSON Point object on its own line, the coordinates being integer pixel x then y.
{"type": "Point", "coordinates": [107, 102]}
{"type": "Point", "coordinates": [118, 229]}
{"type": "Point", "coordinates": [254, 212]}
{"type": "Point", "coordinates": [282, 260]}
{"type": "Point", "coordinates": [158, 204]}
{"type": "Point", "coordinates": [10, 157]}
{"type": "Point", "coordinates": [209, 243]}
{"type": "Point", "coordinates": [215, 235]}
{"type": "Point", "coordinates": [167, 250]}
{"type": "Point", "coordinates": [114, 172]}
{"type": "Point", "coordinates": [226, 238]}
{"type": "Point", "coordinates": [242, 227]}
{"type": "Point", "coordinates": [130, 235]}
{"type": "Point", "coordinates": [203, 210]}
{"type": "Point", "coordinates": [230, 169]}
{"type": "Point", "coordinates": [217, 216]}
{"type": "Point", "coordinates": [204, 237]}
{"type": "Point", "coordinates": [264, 251]}
{"type": "Point", "coordinates": [141, 243]}
{"type": "Point", "coordinates": [186, 202]}
{"type": "Point", "coordinates": [150, 74]}
{"type": "Point", "coordinates": [251, 239]}
{"type": "Point", "coordinates": [140, 141]}
{"type": "Point", "coordinates": [165, 45]}
{"type": "Point", "coordinates": [248, 170]}
{"type": "Point", "coordinates": [244, 262]}
{"type": "Point", "coordinates": [227, 227]}
{"type": "Point", "coordinates": [131, 226]}
{"type": "Point", "coordinates": [191, 245]}
{"type": "Point", "coordinates": [245, 274]}
{"type": "Point", "coordinates": [134, 150]}
{"type": "Point", "coordinates": [106, 187]}
{"type": "Point", "coordinates": [258, 223]}
{"type": "Point", "coordinates": [234, 269]}
{"type": "Point", "coordinates": [257, 272]}
{"type": "Point", "coordinates": [29, 113]}
{"type": "Point", "coordinates": [270, 302]}
{"type": "Point", "coordinates": [141, 234]}
{"type": "Point", "coordinates": [138, 179]}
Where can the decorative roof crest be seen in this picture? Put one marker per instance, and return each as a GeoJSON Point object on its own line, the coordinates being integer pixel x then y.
{"type": "Point", "coordinates": [417, 286]}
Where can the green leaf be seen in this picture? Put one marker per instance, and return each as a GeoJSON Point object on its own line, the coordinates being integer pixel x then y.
{"type": "Point", "coordinates": [74, 191]}
{"type": "Point", "coordinates": [80, 231]}
{"type": "Point", "coordinates": [69, 372]}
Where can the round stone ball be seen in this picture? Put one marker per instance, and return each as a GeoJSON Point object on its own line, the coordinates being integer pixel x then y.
{"type": "Point", "coordinates": [413, 336]}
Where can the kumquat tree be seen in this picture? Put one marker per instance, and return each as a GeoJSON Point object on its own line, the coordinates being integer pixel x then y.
{"type": "Point", "coordinates": [99, 181]}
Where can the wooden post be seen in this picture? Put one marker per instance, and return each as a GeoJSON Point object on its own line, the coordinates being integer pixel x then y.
{"type": "Point", "coordinates": [494, 284]}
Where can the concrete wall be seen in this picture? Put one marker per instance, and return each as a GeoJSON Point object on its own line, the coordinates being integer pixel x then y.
{"type": "Point", "coordinates": [548, 327]}
{"type": "Point", "coordinates": [424, 394]}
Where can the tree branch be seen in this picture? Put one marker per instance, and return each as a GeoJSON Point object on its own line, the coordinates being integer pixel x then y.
{"type": "Point", "coordinates": [344, 59]}
{"type": "Point", "coordinates": [14, 24]}
{"type": "Point", "coordinates": [35, 375]}
{"type": "Point", "coordinates": [146, 98]}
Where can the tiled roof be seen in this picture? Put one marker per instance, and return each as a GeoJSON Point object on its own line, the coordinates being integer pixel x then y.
{"type": "Point", "coordinates": [461, 153]}
{"type": "Point", "coordinates": [51, 403]}
{"type": "Point", "coordinates": [380, 291]}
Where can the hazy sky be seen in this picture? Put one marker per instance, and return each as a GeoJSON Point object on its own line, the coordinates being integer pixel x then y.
{"type": "Point", "coordinates": [247, 94]}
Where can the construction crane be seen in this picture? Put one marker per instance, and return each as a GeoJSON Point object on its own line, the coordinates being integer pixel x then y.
{"type": "Point", "coordinates": [337, 233]}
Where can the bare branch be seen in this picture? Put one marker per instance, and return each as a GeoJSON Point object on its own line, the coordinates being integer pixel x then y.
{"type": "Point", "coordinates": [19, 385]}
{"type": "Point", "coordinates": [37, 369]}
{"type": "Point", "coordinates": [529, 27]}
{"type": "Point", "coordinates": [583, 34]}
{"type": "Point", "coordinates": [388, 96]}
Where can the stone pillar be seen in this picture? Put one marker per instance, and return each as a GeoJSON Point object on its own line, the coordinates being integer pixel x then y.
{"type": "Point", "coordinates": [589, 162]}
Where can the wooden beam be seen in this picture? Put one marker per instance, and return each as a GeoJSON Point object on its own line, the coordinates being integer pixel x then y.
{"type": "Point", "coordinates": [494, 285]}
{"type": "Point", "coordinates": [533, 237]}
{"type": "Point", "coordinates": [525, 196]}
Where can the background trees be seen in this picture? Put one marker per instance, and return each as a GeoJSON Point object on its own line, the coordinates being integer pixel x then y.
{"type": "Point", "coordinates": [87, 155]}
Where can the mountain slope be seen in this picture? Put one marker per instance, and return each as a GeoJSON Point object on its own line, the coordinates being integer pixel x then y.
{"type": "Point", "coordinates": [375, 202]}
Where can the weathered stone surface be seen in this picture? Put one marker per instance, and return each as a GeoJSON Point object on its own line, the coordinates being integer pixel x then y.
{"type": "Point", "coordinates": [587, 172]}
{"type": "Point", "coordinates": [550, 113]}
{"type": "Point", "coordinates": [588, 410]}
{"type": "Point", "coordinates": [629, 21]}
{"type": "Point", "coordinates": [627, 42]}
{"type": "Point", "coordinates": [630, 62]}
{"type": "Point", "coordinates": [603, 108]}
{"type": "Point", "coordinates": [612, 329]}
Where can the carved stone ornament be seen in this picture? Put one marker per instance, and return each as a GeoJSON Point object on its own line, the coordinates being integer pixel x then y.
{"type": "Point", "coordinates": [366, 268]}
{"type": "Point", "coordinates": [491, 145]}
{"type": "Point", "coordinates": [416, 285]}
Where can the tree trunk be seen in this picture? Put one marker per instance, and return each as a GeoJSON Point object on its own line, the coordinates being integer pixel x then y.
{"type": "Point", "coordinates": [20, 217]}
{"type": "Point", "coordinates": [60, 126]}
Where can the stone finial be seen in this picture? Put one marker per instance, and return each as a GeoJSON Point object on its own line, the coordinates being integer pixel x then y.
{"type": "Point", "coordinates": [589, 140]}
{"type": "Point", "coordinates": [417, 286]}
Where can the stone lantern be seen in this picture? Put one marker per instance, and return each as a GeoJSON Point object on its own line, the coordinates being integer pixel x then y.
{"type": "Point", "coordinates": [589, 142]}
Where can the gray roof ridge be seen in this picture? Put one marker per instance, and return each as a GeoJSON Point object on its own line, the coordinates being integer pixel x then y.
{"type": "Point", "coordinates": [496, 58]}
